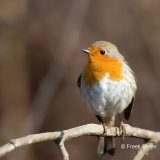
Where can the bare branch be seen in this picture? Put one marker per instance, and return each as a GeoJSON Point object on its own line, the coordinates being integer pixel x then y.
{"type": "Point", "coordinates": [144, 150]}
{"type": "Point", "coordinates": [85, 130]}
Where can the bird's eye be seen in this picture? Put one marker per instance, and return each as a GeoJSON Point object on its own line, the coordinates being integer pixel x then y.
{"type": "Point", "coordinates": [102, 52]}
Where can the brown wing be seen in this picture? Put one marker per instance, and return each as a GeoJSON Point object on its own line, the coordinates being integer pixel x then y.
{"type": "Point", "coordinates": [79, 81]}
{"type": "Point", "coordinates": [127, 111]}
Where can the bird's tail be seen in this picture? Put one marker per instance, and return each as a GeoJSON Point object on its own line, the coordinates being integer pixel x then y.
{"type": "Point", "coordinates": [107, 144]}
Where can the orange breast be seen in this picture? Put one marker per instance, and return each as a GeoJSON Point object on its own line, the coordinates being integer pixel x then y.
{"type": "Point", "coordinates": [99, 66]}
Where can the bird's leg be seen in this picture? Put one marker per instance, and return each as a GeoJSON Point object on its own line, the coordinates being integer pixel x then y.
{"type": "Point", "coordinates": [122, 128]}
{"type": "Point", "coordinates": [103, 124]}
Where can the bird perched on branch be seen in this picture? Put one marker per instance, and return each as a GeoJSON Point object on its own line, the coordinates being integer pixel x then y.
{"type": "Point", "coordinates": [107, 85]}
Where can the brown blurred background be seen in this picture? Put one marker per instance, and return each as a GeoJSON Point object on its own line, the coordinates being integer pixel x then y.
{"type": "Point", "coordinates": [41, 59]}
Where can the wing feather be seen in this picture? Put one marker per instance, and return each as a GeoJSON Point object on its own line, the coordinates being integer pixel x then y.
{"type": "Point", "coordinates": [79, 80]}
{"type": "Point", "coordinates": [127, 111]}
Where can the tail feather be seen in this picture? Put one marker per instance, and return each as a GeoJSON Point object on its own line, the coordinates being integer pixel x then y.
{"type": "Point", "coordinates": [110, 145]}
{"type": "Point", "coordinates": [107, 144]}
{"type": "Point", "coordinates": [102, 146]}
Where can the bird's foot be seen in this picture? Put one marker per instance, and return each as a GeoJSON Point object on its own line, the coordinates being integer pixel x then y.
{"type": "Point", "coordinates": [103, 124]}
{"type": "Point", "coordinates": [123, 130]}
{"type": "Point", "coordinates": [104, 129]}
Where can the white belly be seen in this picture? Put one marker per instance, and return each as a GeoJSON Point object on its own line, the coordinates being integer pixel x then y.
{"type": "Point", "coordinates": [108, 97]}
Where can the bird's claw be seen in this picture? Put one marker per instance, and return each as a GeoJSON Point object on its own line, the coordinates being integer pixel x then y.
{"type": "Point", "coordinates": [123, 130]}
{"type": "Point", "coordinates": [104, 129]}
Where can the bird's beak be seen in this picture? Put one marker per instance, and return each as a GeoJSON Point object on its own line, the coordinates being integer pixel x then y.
{"type": "Point", "coordinates": [86, 51]}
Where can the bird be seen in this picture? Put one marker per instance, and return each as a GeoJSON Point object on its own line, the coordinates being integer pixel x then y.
{"type": "Point", "coordinates": [108, 87]}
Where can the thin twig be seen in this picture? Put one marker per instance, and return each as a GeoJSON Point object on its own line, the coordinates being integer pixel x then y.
{"type": "Point", "coordinates": [86, 130]}
{"type": "Point", "coordinates": [144, 150]}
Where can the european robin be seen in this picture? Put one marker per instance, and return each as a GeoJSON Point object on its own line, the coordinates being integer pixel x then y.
{"type": "Point", "coordinates": [107, 85]}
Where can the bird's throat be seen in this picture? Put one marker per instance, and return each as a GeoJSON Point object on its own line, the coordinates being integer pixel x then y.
{"type": "Point", "coordinates": [98, 68]}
